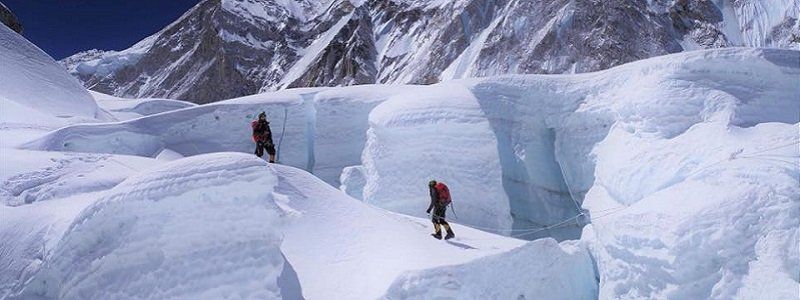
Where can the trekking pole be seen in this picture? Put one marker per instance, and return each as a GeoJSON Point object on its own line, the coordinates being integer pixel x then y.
{"type": "Point", "coordinates": [453, 208]}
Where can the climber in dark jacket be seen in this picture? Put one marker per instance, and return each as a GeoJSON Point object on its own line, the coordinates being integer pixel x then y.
{"type": "Point", "coordinates": [440, 198]}
{"type": "Point", "coordinates": [262, 136]}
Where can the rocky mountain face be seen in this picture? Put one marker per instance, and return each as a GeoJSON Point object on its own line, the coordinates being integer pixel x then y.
{"type": "Point", "coordinates": [228, 48]}
{"type": "Point", "coordinates": [9, 19]}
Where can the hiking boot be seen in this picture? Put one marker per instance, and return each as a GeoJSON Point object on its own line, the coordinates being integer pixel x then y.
{"type": "Point", "coordinates": [437, 235]}
{"type": "Point", "coordinates": [449, 235]}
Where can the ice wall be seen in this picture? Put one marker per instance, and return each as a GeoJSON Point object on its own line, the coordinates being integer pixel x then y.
{"type": "Point", "coordinates": [517, 150]}
{"type": "Point", "coordinates": [439, 133]}
{"type": "Point", "coordinates": [702, 215]}
{"type": "Point", "coordinates": [318, 129]}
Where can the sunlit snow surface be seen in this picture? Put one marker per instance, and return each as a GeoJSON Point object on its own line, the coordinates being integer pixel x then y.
{"type": "Point", "coordinates": [194, 228]}
{"type": "Point", "coordinates": [686, 165]}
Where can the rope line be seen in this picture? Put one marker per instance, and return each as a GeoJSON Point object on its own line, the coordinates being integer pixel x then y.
{"type": "Point", "coordinates": [569, 188]}
{"type": "Point", "coordinates": [524, 232]}
{"type": "Point", "coordinates": [283, 131]}
{"type": "Point", "coordinates": [741, 154]}
{"type": "Point", "coordinates": [774, 148]}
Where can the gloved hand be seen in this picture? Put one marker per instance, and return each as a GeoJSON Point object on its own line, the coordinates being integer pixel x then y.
{"type": "Point", "coordinates": [428, 211]}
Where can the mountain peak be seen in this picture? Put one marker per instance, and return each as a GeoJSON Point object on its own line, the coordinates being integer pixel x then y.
{"type": "Point", "coordinates": [222, 49]}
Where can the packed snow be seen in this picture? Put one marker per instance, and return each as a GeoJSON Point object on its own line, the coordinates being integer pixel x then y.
{"type": "Point", "coordinates": [176, 219]}
{"type": "Point", "coordinates": [36, 93]}
{"type": "Point", "coordinates": [559, 272]}
{"type": "Point", "coordinates": [344, 249]}
{"type": "Point", "coordinates": [126, 109]}
{"type": "Point", "coordinates": [703, 220]}
{"type": "Point", "coordinates": [677, 176]}
{"type": "Point", "coordinates": [30, 176]}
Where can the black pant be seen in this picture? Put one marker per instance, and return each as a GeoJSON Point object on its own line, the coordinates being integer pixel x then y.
{"type": "Point", "coordinates": [260, 146]}
{"type": "Point", "coordinates": [438, 216]}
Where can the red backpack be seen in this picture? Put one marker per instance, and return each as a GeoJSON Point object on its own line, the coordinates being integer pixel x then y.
{"type": "Point", "coordinates": [444, 194]}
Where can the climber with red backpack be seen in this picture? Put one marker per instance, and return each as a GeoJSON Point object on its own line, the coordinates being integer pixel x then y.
{"type": "Point", "coordinates": [262, 136]}
{"type": "Point", "coordinates": [440, 198]}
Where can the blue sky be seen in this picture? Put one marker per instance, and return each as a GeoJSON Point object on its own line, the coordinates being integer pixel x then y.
{"type": "Point", "coordinates": [64, 27]}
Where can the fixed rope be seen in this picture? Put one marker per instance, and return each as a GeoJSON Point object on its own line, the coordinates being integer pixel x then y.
{"type": "Point", "coordinates": [523, 232]}
{"type": "Point", "coordinates": [283, 131]}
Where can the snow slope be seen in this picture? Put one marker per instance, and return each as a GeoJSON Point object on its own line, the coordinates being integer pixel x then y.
{"type": "Point", "coordinates": [542, 269]}
{"type": "Point", "coordinates": [344, 249]}
{"type": "Point", "coordinates": [30, 233]}
{"type": "Point", "coordinates": [41, 194]}
{"type": "Point", "coordinates": [176, 220]}
{"type": "Point", "coordinates": [36, 94]}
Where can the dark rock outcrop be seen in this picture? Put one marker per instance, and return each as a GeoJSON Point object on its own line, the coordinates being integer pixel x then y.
{"type": "Point", "coordinates": [222, 49]}
{"type": "Point", "coordinates": [9, 19]}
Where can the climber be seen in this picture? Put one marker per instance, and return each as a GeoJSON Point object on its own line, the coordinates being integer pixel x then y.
{"type": "Point", "coordinates": [440, 198]}
{"type": "Point", "coordinates": [262, 136]}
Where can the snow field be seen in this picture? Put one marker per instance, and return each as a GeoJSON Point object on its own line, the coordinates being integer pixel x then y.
{"type": "Point", "coordinates": [27, 69]}
{"type": "Point", "coordinates": [37, 94]}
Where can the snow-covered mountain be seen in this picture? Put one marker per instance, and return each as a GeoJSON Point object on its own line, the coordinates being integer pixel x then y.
{"type": "Point", "coordinates": [670, 177]}
{"type": "Point", "coordinates": [222, 49]}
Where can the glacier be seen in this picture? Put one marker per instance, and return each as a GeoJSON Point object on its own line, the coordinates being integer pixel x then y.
{"type": "Point", "coordinates": [533, 135]}
{"type": "Point", "coordinates": [519, 149]}
{"type": "Point", "coordinates": [671, 177]}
